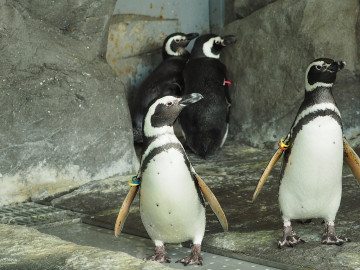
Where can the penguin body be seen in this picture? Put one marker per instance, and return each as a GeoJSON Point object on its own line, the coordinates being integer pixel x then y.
{"type": "Point", "coordinates": [311, 177]}
{"type": "Point", "coordinates": [205, 124]}
{"type": "Point", "coordinates": [171, 206]}
{"type": "Point", "coordinates": [170, 199]}
{"type": "Point", "coordinates": [165, 79]}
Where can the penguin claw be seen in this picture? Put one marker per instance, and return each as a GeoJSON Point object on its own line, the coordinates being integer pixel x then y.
{"type": "Point", "coordinates": [331, 238]}
{"type": "Point", "coordinates": [160, 256]}
{"type": "Point", "coordinates": [193, 258]}
{"type": "Point", "coordinates": [290, 239]}
{"type": "Point", "coordinates": [334, 240]}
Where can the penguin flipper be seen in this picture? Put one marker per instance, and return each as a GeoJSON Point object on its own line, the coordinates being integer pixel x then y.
{"type": "Point", "coordinates": [124, 210]}
{"type": "Point", "coordinates": [265, 174]}
{"type": "Point", "coordinates": [352, 159]}
{"type": "Point", "coordinates": [214, 203]}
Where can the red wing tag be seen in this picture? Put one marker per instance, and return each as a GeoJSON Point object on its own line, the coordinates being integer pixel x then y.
{"type": "Point", "coordinates": [228, 83]}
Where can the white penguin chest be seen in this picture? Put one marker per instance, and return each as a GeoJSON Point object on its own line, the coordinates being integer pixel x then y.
{"type": "Point", "coordinates": [170, 207]}
{"type": "Point", "coordinates": [311, 184]}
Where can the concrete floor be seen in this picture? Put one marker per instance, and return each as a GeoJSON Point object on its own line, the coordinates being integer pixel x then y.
{"type": "Point", "coordinates": [88, 235]}
{"type": "Point", "coordinates": [254, 228]}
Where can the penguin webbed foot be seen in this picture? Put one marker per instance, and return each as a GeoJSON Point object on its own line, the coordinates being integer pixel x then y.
{"type": "Point", "coordinates": [331, 238]}
{"type": "Point", "coordinates": [160, 255]}
{"type": "Point", "coordinates": [194, 257]}
{"type": "Point", "coordinates": [289, 239]}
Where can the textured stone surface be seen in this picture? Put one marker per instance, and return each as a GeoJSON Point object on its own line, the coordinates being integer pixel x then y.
{"type": "Point", "coordinates": [254, 227]}
{"type": "Point", "coordinates": [243, 8]}
{"type": "Point", "coordinates": [64, 118]}
{"type": "Point", "coordinates": [268, 65]}
{"type": "Point", "coordinates": [26, 248]}
{"type": "Point", "coordinates": [95, 196]}
{"type": "Point", "coordinates": [83, 20]}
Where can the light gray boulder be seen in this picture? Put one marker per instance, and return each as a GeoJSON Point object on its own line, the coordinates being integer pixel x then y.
{"type": "Point", "coordinates": [64, 117]}
{"type": "Point", "coordinates": [268, 63]}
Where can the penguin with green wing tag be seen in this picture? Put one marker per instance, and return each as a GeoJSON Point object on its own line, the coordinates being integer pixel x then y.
{"type": "Point", "coordinates": [172, 208]}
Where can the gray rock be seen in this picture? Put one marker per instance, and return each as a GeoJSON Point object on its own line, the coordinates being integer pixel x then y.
{"type": "Point", "coordinates": [97, 197]}
{"type": "Point", "coordinates": [84, 20]}
{"type": "Point", "coordinates": [268, 65]}
{"type": "Point", "coordinates": [26, 248]}
{"type": "Point", "coordinates": [64, 115]}
{"type": "Point", "coordinates": [243, 8]}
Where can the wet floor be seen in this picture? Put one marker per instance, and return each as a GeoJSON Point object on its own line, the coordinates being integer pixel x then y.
{"type": "Point", "coordinates": [254, 227]}
{"type": "Point", "coordinates": [139, 247]}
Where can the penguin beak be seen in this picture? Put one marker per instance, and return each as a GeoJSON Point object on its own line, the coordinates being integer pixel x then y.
{"type": "Point", "coordinates": [190, 99]}
{"type": "Point", "coordinates": [227, 40]}
{"type": "Point", "coordinates": [336, 66]}
{"type": "Point", "coordinates": [191, 36]}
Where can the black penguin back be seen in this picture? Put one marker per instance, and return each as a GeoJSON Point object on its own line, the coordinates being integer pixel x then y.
{"type": "Point", "coordinates": [165, 80]}
{"type": "Point", "coordinates": [204, 124]}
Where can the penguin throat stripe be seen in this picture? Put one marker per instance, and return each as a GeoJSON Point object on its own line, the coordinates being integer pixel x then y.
{"type": "Point", "coordinates": [311, 116]}
{"type": "Point", "coordinates": [314, 108]}
{"type": "Point", "coordinates": [159, 142]}
{"type": "Point", "coordinates": [155, 151]}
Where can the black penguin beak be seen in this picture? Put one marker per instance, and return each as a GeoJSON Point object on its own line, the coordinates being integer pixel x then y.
{"type": "Point", "coordinates": [230, 39]}
{"type": "Point", "coordinates": [190, 99]}
{"type": "Point", "coordinates": [336, 66]}
{"type": "Point", "coordinates": [191, 36]}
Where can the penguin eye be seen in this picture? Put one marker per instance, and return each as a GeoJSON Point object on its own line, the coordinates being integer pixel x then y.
{"type": "Point", "coordinates": [177, 40]}
{"type": "Point", "coordinates": [168, 104]}
{"type": "Point", "coordinates": [217, 42]}
{"type": "Point", "coordinates": [318, 67]}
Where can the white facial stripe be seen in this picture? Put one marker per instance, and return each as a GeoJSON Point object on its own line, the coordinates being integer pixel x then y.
{"type": "Point", "coordinates": [316, 107]}
{"type": "Point", "coordinates": [151, 131]}
{"type": "Point", "coordinates": [208, 46]}
{"type": "Point", "coordinates": [311, 87]}
{"type": "Point", "coordinates": [168, 43]}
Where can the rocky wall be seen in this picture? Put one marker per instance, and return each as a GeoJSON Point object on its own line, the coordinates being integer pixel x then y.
{"type": "Point", "coordinates": [276, 42]}
{"type": "Point", "coordinates": [63, 113]}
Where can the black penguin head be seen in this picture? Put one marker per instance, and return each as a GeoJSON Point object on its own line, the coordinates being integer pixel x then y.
{"type": "Point", "coordinates": [210, 45]}
{"type": "Point", "coordinates": [163, 112]}
{"type": "Point", "coordinates": [322, 73]}
{"type": "Point", "coordinates": [175, 44]}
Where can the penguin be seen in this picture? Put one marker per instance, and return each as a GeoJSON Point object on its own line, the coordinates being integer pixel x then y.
{"type": "Point", "coordinates": [313, 154]}
{"type": "Point", "coordinates": [165, 79]}
{"type": "Point", "coordinates": [205, 125]}
{"type": "Point", "coordinates": [172, 206]}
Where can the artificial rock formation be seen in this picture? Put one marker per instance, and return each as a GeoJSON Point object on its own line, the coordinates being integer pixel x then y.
{"type": "Point", "coordinates": [267, 65]}
{"type": "Point", "coordinates": [64, 117]}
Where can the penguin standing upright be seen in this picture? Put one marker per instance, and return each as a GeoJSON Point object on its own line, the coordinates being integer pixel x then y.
{"type": "Point", "coordinates": [166, 79]}
{"type": "Point", "coordinates": [311, 174]}
{"type": "Point", "coordinates": [205, 125]}
{"type": "Point", "coordinates": [171, 203]}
